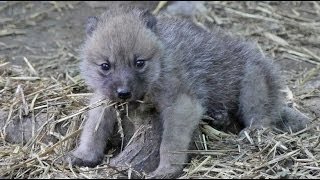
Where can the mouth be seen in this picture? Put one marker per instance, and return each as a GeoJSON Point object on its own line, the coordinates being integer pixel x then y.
{"type": "Point", "coordinates": [121, 102]}
{"type": "Point", "coordinates": [122, 105]}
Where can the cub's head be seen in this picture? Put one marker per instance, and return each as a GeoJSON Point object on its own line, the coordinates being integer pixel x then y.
{"type": "Point", "coordinates": [121, 54]}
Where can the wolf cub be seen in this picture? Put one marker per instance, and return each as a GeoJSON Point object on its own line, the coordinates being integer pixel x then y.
{"type": "Point", "coordinates": [181, 69]}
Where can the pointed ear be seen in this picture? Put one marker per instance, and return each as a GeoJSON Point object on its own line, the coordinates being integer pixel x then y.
{"type": "Point", "coordinates": [149, 19]}
{"type": "Point", "coordinates": [92, 23]}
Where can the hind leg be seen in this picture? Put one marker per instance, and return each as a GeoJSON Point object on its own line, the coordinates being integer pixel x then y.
{"type": "Point", "coordinates": [260, 96]}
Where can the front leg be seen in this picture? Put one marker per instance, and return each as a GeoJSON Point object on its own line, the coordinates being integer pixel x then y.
{"type": "Point", "coordinates": [179, 122]}
{"type": "Point", "coordinates": [93, 141]}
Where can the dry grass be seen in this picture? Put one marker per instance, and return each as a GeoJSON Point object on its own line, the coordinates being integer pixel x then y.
{"type": "Point", "coordinates": [62, 100]}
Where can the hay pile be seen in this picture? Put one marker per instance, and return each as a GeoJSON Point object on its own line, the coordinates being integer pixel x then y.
{"type": "Point", "coordinates": [53, 107]}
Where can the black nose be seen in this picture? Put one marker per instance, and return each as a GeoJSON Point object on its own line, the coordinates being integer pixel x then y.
{"type": "Point", "coordinates": [123, 93]}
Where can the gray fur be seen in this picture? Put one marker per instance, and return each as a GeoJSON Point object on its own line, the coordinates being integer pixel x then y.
{"type": "Point", "coordinates": [188, 72]}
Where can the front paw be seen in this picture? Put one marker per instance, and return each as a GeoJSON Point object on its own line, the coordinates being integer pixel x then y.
{"type": "Point", "coordinates": [164, 173]}
{"type": "Point", "coordinates": [87, 159]}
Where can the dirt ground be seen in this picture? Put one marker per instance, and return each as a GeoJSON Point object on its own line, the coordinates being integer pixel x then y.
{"type": "Point", "coordinates": [48, 35]}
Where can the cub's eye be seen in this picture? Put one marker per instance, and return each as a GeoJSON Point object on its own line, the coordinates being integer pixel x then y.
{"type": "Point", "coordinates": [139, 63]}
{"type": "Point", "coordinates": [105, 66]}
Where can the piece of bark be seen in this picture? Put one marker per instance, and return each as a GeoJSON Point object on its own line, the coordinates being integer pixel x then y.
{"type": "Point", "coordinates": [141, 146]}
{"type": "Point", "coordinates": [21, 129]}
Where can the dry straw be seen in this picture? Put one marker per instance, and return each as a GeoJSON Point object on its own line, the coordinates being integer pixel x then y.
{"type": "Point", "coordinates": [62, 100]}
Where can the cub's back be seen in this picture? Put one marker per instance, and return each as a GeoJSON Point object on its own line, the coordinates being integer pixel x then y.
{"type": "Point", "coordinates": [210, 64]}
